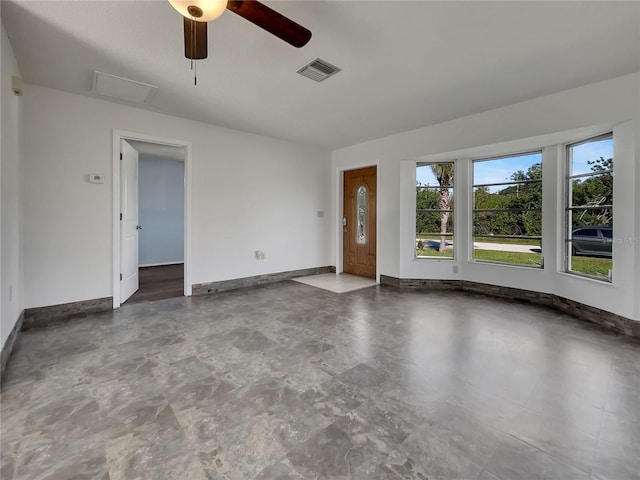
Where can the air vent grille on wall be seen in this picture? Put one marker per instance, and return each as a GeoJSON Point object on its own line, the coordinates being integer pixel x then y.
{"type": "Point", "coordinates": [318, 70]}
{"type": "Point", "coordinates": [122, 88]}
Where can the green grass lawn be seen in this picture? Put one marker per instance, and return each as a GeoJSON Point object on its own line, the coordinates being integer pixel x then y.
{"type": "Point", "coordinates": [430, 252]}
{"type": "Point", "coordinates": [598, 267]}
{"type": "Point", "coordinates": [516, 258]}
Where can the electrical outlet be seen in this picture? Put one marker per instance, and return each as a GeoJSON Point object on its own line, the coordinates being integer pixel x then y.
{"type": "Point", "coordinates": [257, 254]}
{"type": "Point", "coordinates": [320, 214]}
{"type": "Point", "coordinates": [261, 255]}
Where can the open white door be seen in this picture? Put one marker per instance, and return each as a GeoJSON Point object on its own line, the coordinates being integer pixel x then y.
{"type": "Point", "coordinates": [129, 221]}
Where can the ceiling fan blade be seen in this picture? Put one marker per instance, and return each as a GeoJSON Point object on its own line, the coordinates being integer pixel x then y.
{"type": "Point", "coordinates": [272, 21]}
{"type": "Point", "coordinates": [195, 39]}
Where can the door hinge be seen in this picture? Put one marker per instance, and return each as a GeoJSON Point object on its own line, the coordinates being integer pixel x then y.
{"type": "Point", "coordinates": [120, 277]}
{"type": "Point", "coordinates": [120, 216]}
{"type": "Point", "coordinates": [121, 156]}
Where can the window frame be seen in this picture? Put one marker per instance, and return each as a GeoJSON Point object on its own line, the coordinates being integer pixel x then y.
{"type": "Point", "coordinates": [473, 186]}
{"type": "Point", "coordinates": [452, 211]}
{"type": "Point", "coordinates": [569, 208]}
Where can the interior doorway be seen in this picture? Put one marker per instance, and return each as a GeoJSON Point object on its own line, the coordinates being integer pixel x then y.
{"type": "Point", "coordinates": [151, 231]}
{"type": "Point", "coordinates": [161, 220]}
{"type": "Point", "coordinates": [359, 222]}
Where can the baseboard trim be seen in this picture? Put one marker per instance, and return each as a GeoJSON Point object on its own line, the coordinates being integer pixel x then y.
{"type": "Point", "coordinates": [609, 320]}
{"type": "Point", "coordinates": [39, 316]}
{"type": "Point", "coordinates": [226, 285]}
{"type": "Point", "coordinates": [7, 348]}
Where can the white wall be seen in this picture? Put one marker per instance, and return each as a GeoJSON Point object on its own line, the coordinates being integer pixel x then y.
{"type": "Point", "coordinates": [160, 211]}
{"type": "Point", "coordinates": [11, 250]}
{"type": "Point", "coordinates": [541, 122]}
{"type": "Point", "coordinates": [248, 192]}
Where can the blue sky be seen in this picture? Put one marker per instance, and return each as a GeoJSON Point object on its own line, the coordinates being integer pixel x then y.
{"type": "Point", "coordinates": [495, 171]}
{"type": "Point", "coordinates": [590, 151]}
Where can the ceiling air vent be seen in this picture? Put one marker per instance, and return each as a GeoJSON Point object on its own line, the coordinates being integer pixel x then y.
{"type": "Point", "coordinates": [122, 88]}
{"type": "Point", "coordinates": [318, 70]}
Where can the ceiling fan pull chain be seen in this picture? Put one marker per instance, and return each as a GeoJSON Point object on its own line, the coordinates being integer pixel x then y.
{"type": "Point", "coordinates": [194, 46]}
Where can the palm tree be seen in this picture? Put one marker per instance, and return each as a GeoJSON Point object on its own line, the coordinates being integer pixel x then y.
{"type": "Point", "coordinates": [444, 174]}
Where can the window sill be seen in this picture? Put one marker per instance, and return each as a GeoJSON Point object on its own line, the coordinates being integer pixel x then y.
{"type": "Point", "coordinates": [510, 265]}
{"type": "Point", "coordinates": [437, 259]}
{"type": "Point", "coordinates": [589, 278]}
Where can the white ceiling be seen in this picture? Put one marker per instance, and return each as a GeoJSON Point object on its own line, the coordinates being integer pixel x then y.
{"type": "Point", "coordinates": [404, 64]}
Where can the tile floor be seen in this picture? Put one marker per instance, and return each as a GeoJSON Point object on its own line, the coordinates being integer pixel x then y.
{"type": "Point", "coordinates": [341, 283]}
{"type": "Point", "coordinates": [288, 381]}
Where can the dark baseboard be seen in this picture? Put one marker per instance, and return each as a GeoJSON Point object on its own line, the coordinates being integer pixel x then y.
{"type": "Point", "coordinates": [7, 348]}
{"type": "Point", "coordinates": [609, 320]}
{"type": "Point", "coordinates": [226, 285]}
{"type": "Point", "coordinates": [508, 293]}
{"type": "Point", "coordinates": [604, 318]}
{"type": "Point", "coordinates": [36, 317]}
{"type": "Point", "coordinates": [420, 284]}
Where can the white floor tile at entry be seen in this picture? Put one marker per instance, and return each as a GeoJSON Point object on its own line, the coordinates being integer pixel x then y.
{"type": "Point", "coordinates": [341, 283]}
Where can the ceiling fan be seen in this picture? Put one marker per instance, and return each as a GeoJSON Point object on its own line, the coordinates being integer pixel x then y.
{"type": "Point", "coordinates": [197, 13]}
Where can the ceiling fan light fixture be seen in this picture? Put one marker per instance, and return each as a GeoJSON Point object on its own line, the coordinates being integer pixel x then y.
{"type": "Point", "coordinates": [206, 9]}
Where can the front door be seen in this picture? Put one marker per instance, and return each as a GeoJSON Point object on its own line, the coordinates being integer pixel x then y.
{"type": "Point", "coordinates": [359, 222]}
{"type": "Point", "coordinates": [128, 221]}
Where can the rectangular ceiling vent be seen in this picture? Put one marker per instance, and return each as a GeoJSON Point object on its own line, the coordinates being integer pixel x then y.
{"type": "Point", "coordinates": [122, 88]}
{"type": "Point", "coordinates": [318, 70]}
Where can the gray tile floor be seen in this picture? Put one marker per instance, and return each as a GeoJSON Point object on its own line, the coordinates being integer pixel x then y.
{"type": "Point", "coordinates": [287, 381]}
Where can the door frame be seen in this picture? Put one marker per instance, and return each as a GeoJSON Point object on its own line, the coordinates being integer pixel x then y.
{"type": "Point", "coordinates": [339, 179]}
{"type": "Point", "coordinates": [117, 137]}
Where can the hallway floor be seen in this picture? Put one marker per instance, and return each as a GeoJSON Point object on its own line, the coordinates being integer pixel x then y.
{"type": "Point", "coordinates": [287, 381]}
{"type": "Point", "coordinates": [159, 283]}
